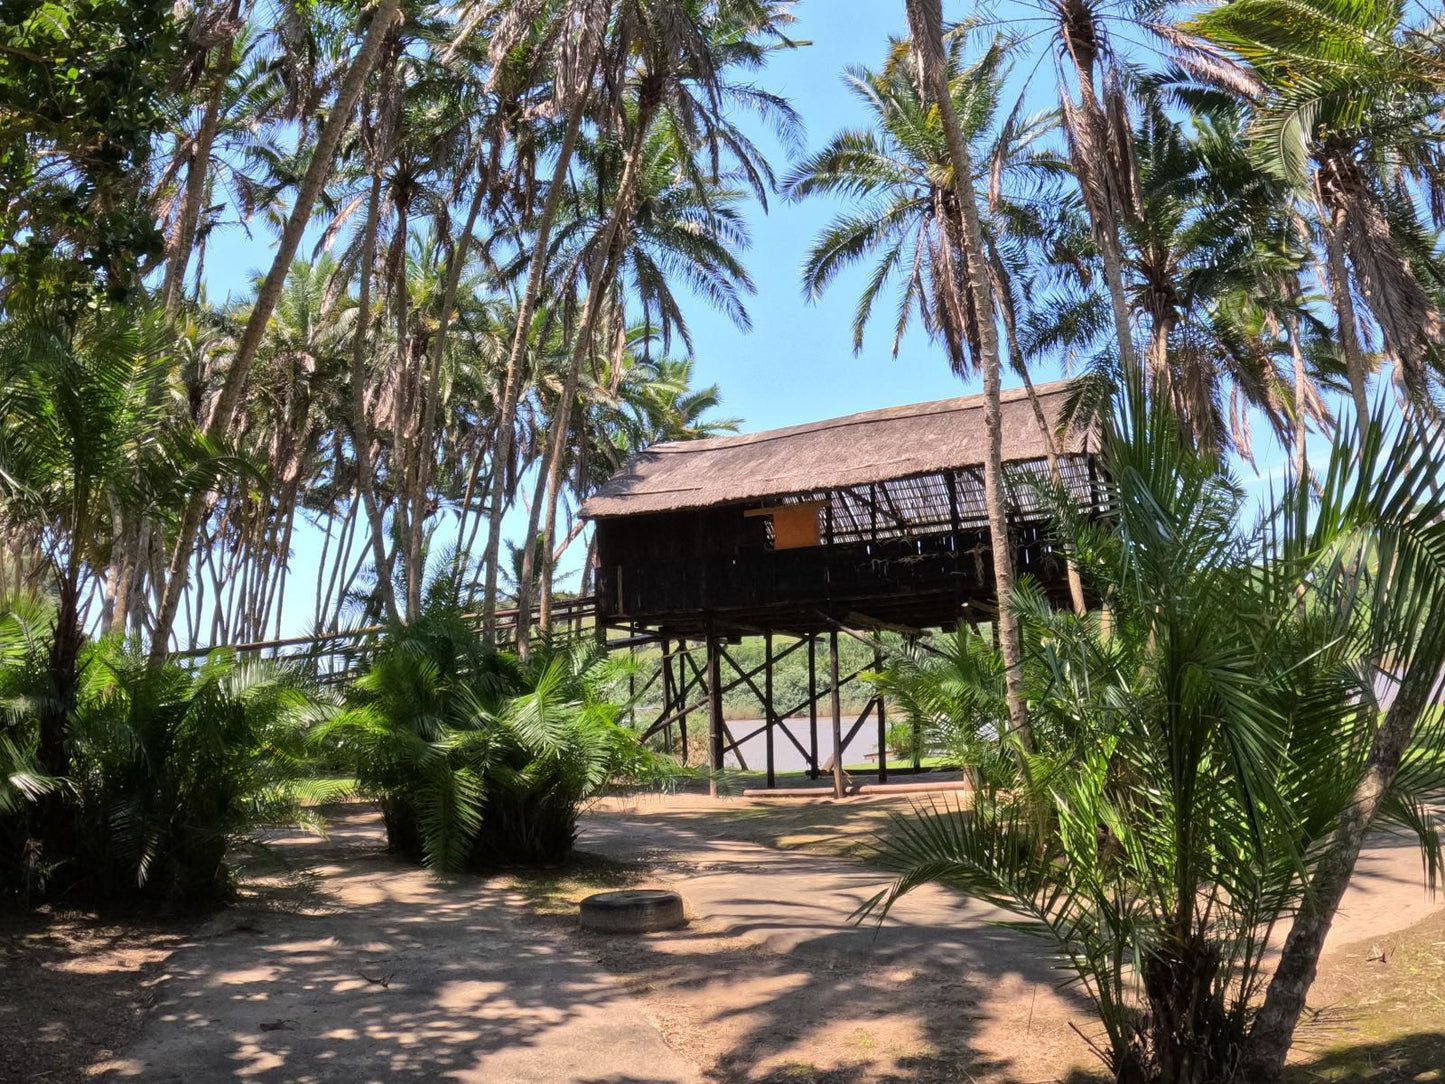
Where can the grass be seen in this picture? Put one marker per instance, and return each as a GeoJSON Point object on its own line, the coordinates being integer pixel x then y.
{"type": "Point", "coordinates": [555, 893]}
{"type": "Point", "coordinates": [1378, 1020]}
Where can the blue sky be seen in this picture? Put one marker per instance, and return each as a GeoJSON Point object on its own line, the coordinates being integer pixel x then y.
{"type": "Point", "coordinates": [797, 364]}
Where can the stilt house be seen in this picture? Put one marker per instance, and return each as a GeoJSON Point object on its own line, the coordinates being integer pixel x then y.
{"type": "Point", "coordinates": [874, 521]}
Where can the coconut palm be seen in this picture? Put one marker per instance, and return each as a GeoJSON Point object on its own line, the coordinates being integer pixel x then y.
{"type": "Point", "coordinates": [1345, 107]}
{"type": "Point", "coordinates": [958, 297]}
{"type": "Point", "coordinates": [313, 180]}
{"type": "Point", "coordinates": [676, 61]}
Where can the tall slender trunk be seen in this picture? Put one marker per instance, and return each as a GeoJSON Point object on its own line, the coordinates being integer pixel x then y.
{"type": "Point", "coordinates": [528, 570]}
{"type": "Point", "coordinates": [1051, 448]}
{"type": "Point", "coordinates": [1098, 202]}
{"type": "Point", "coordinates": [602, 268]}
{"type": "Point", "coordinates": [431, 391]}
{"type": "Point", "coordinates": [925, 20]}
{"type": "Point", "coordinates": [361, 437]}
{"type": "Point", "coordinates": [512, 383]}
{"type": "Point", "coordinates": [182, 239]}
{"type": "Point", "coordinates": [1346, 323]}
{"type": "Point", "coordinates": [1301, 424]}
{"type": "Point", "coordinates": [317, 172]}
{"type": "Point", "coordinates": [1163, 327]}
{"type": "Point", "coordinates": [1284, 1001]}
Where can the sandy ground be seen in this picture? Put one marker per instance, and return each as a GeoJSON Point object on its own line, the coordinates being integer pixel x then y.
{"type": "Point", "coordinates": [378, 972]}
{"type": "Point", "coordinates": [355, 967]}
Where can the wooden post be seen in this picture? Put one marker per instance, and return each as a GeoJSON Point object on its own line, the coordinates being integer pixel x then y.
{"type": "Point", "coordinates": [632, 687]}
{"type": "Point", "coordinates": [714, 710]}
{"type": "Point", "coordinates": [837, 715]}
{"type": "Point", "coordinates": [768, 705]}
{"type": "Point", "coordinates": [813, 704]}
{"type": "Point", "coordinates": [680, 684]}
{"type": "Point", "coordinates": [667, 706]}
{"type": "Point", "coordinates": [882, 722]}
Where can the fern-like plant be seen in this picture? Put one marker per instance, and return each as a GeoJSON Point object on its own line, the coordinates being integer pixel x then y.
{"type": "Point", "coordinates": [170, 769]}
{"type": "Point", "coordinates": [1211, 755]}
{"type": "Point", "coordinates": [479, 759]}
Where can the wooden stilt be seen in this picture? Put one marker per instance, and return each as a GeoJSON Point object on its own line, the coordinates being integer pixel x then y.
{"type": "Point", "coordinates": [812, 706]}
{"type": "Point", "coordinates": [715, 710]}
{"type": "Point", "coordinates": [632, 683]}
{"type": "Point", "coordinates": [768, 720]}
{"type": "Point", "coordinates": [667, 704]}
{"type": "Point", "coordinates": [837, 715]}
{"type": "Point", "coordinates": [680, 684]}
{"type": "Point", "coordinates": [882, 722]}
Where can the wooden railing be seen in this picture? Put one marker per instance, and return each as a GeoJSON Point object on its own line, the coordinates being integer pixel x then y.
{"type": "Point", "coordinates": [335, 657]}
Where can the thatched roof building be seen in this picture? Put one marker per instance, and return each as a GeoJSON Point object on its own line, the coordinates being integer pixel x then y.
{"type": "Point", "coordinates": [874, 446]}
{"type": "Point", "coordinates": [875, 517]}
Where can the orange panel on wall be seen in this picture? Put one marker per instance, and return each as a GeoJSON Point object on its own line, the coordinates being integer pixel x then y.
{"type": "Point", "coordinates": [794, 525]}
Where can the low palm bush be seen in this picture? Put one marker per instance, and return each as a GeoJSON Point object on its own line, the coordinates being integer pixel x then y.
{"type": "Point", "coordinates": [1209, 755]}
{"type": "Point", "coordinates": [480, 759]}
{"type": "Point", "coordinates": [170, 769]}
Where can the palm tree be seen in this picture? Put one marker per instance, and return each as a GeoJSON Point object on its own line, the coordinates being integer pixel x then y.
{"type": "Point", "coordinates": [1199, 761]}
{"type": "Point", "coordinates": [1345, 105]}
{"type": "Point", "coordinates": [667, 406]}
{"type": "Point", "coordinates": [222, 416]}
{"type": "Point", "coordinates": [85, 451]}
{"type": "Point", "coordinates": [478, 757]}
{"type": "Point", "coordinates": [931, 213]}
{"type": "Point", "coordinates": [683, 230]}
{"type": "Point", "coordinates": [673, 58]}
{"type": "Point", "coordinates": [576, 33]}
{"type": "Point", "coordinates": [1212, 244]}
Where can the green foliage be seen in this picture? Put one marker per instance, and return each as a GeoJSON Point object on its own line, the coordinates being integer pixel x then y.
{"type": "Point", "coordinates": [1198, 746]}
{"type": "Point", "coordinates": [87, 435]}
{"type": "Point", "coordinates": [170, 769]}
{"type": "Point", "coordinates": [479, 758]}
{"type": "Point", "coordinates": [950, 693]}
{"type": "Point", "coordinates": [84, 92]}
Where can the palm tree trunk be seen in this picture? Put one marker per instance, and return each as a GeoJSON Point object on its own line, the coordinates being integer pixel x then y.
{"type": "Point", "coordinates": [1159, 362]}
{"type": "Point", "coordinates": [512, 384]}
{"type": "Point", "coordinates": [603, 268]}
{"type": "Point", "coordinates": [1284, 1001]}
{"type": "Point", "coordinates": [183, 237]}
{"type": "Point", "coordinates": [1301, 425]}
{"type": "Point", "coordinates": [1097, 200]}
{"type": "Point", "coordinates": [1051, 448]}
{"type": "Point", "coordinates": [317, 173]}
{"type": "Point", "coordinates": [361, 437]}
{"type": "Point", "coordinates": [1346, 323]}
{"type": "Point", "coordinates": [431, 392]}
{"type": "Point", "coordinates": [925, 20]}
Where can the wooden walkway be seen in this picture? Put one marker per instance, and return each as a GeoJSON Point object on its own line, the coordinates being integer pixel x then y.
{"type": "Point", "coordinates": [336, 657]}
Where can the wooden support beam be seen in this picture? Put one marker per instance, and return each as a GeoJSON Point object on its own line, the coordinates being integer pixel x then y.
{"type": "Point", "coordinates": [812, 706]}
{"type": "Point", "coordinates": [714, 711]}
{"type": "Point", "coordinates": [882, 721]}
{"type": "Point", "coordinates": [802, 704]}
{"type": "Point", "coordinates": [858, 723]}
{"type": "Point", "coordinates": [769, 719]}
{"type": "Point", "coordinates": [837, 716]}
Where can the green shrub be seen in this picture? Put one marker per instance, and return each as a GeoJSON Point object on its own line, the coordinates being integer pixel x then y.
{"type": "Point", "coordinates": [479, 759]}
{"type": "Point", "coordinates": [170, 769]}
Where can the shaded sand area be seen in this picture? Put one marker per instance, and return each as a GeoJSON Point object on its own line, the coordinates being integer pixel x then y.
{"type": "Point", "coordinates": [354, 967]}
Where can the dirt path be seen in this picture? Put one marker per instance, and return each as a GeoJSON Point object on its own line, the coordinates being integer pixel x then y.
{"type": "Point", "coordinates": [774, 981]}
{"type": "Point", "coordinates": [381, 973]}
{"type": "Point", "coordinates": [365, 969]}
{"type": "Point", "coordinates": [939, 992]}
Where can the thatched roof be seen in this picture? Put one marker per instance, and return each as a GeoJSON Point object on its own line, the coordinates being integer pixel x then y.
{"type": "Point", "coordinates": [875, 446]}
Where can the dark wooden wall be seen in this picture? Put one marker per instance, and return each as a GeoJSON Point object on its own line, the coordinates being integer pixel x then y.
{"type": "Point", "coordinates": [689, 573]}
